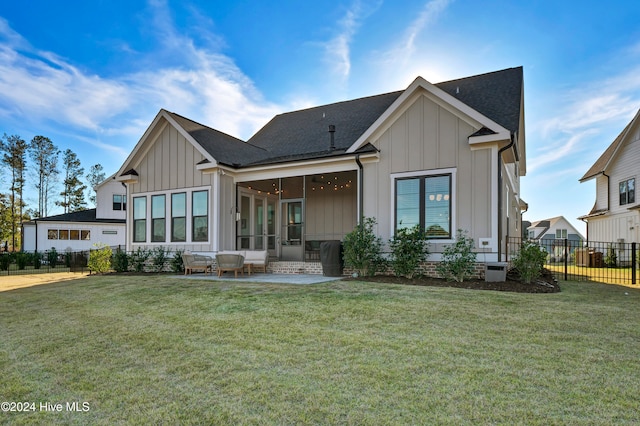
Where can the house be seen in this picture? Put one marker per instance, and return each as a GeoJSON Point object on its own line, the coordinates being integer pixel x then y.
{"type": "Point", "coordinates": [552, 233]}
{"type": "Point", "coordinates": [615, 216]}
{"type": "Point", "coordinates": [446, 156]}
{"type": "Point", "coordinates": [79, 231]}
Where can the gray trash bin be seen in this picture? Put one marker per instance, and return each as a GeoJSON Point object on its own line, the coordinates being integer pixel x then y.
{"type": "Point", "coordinates": [331, 258]}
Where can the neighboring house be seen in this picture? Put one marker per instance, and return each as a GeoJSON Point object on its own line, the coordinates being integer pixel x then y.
{"type": "Point", "coordinates": [615, 217]}
{"type": "Point", "coordinates": [79, 231]}
{"type": "Point", "coordinates": [445, 157]}
{"type": "Point", "coordinates": [551, 234]}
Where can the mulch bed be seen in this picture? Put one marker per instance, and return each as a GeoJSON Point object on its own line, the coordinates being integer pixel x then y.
{"type": "Point", "coordinates": [544, 284]}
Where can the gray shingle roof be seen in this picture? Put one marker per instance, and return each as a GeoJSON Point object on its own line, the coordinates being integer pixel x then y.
{"type": "Point", "coordinates": [80, 216]}
{"type": "Point", "coordinates": [224, 148]}
{"type": "Point", "coordinates": [304, 134]}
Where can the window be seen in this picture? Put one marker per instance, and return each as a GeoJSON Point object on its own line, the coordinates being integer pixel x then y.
{"type": "Point", "coordinates": [179, 217]}
{"type": "Point", "coordinates": [158, 222]}
{"type": "Point", "coordinates": [52, 234]}
{"type": "Point", "coordinates": [424, 201]}
{"type": "Point", "coordinates": [119, 202]}
{"type": "Point", "coordinates": [63, 234]}
{"type": "Point", "coordinates": [561, 233]}
{"type": "Point", "coordinates": [139, 219]}
{"type": "Point", "coordinates": [199, 211]}
{"type": "Point", "coordinates": [627, 192]}
{"type": "Point", "coordinates": [74, 234]}
{"type": "Point", "coordinates": [85, 235]}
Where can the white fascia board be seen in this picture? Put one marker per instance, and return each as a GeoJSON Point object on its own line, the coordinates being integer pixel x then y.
{"type": "Point", "coordinates": [310, 167]}
{"type": "Point", "coordinates": [443, 99]}
{"type": "Point", "coordinates": [504, 136]}
{"type": "Point", "coordinates": [142, 147]}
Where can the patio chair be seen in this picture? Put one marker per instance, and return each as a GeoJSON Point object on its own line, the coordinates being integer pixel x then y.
{"type": "Point", "coordinates": [196, 262]}
{"type": "Point", "coordinates": [230, 262]}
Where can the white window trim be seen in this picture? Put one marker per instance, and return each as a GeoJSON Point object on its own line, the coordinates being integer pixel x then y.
{"type": "Point", "coordinates": [189, 224]}
{"type": "Point", "coordinates": [425, 173]}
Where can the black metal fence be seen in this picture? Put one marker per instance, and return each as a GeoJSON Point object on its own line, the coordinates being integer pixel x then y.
{"type": "Point", "coordinates": [21, 263]}
{"type": "Point", "coordinates": [576, 260]}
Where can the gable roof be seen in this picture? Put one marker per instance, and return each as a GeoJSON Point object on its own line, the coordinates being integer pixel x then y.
{"type": "Point", "coordinates": [601, 164]}
{"type": "Point", "coordinates": [493, 99]}
{"type": "Point", "coordinates": [224, 148]}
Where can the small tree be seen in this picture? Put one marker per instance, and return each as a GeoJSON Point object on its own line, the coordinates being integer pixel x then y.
{"type": "Point", "coordinates": [362, 248]}
{"type": "Point", "coordinates": [52, 257]}
{"type": "Point", "coordinates": [159, 258]}
{"type": "Point", "coordinates": [611, 259]}
{"type": "Point", "coordinates": [100, 258]}
{"type": "Point", "coordinates": [458, 259]}
{"type": "Point", "coordinates": [138, 258]}
{"type": "Point", "coordinates": [530, 261]}
{"type": "Point", "coordinates": [409, 248]}
{"type": "Point", "coordinates": [177, 265]}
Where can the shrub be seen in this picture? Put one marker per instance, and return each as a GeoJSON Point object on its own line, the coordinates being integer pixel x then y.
{"type": "Point", "coordinates": [176, 263]}
{"type": "Point", "coordinates": [120, 261]}
{"type": "Point", "coordinates": [159, 258]}
{"type": "Point", "coordinates": [52, 257]}
{"type": "Point", "coordinates": [21, 260]}
{"type": "Point", "coordinates": [138, 258]}
{"type": "Point", "coordinates": [409, 247]}
{"type": "Point", "coordinates": [362, 249]}
{"type": "Point", "coordinates": [67, 259]}
{"type": "Point", "coordinates": [458, 259]}
{"type": "Point", "coordinates": [37, 260]}
{"type": "Point", "coordinates": [100, 259]}
{"type": "Point", "coordinates": [5, 261]}
{"type": "Point", "coordinates": [611, 259]}
{"type": "Point", "coordinates": [530, 261]}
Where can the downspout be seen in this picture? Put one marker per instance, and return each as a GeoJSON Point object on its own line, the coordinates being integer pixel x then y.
{"type": "Point", "coordinates": [500, 151]}
{"type": "Point", "coordinates": [22, 244]}
{"type": "Point", "coordinates": [126, 215]}
{"type": "Point", "coordinates": [361, 189]}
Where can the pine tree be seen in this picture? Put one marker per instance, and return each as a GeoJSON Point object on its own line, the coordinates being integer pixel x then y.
{"type": "Point", "coordinates": [14, 151]}
{"type": "Point", "coordinates": [45, 156]}
{"type": "Point", "coordinates": [95, 176]}
{"type": "Point", "coordinates": [73, 189]}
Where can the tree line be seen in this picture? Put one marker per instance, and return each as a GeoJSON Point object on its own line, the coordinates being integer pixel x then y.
{"type": "Point", "coordinates": [48, 172]}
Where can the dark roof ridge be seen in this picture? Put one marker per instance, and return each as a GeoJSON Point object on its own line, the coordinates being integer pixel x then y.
{"type": "Point", "coordinates": [339, 102]}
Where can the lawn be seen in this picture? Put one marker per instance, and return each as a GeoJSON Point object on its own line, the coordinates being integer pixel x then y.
{"type": "Point", "coordinates": [164, 350]}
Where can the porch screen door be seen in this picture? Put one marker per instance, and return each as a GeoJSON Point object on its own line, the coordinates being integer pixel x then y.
{"type": "Point", "coordinates": [292, 230]}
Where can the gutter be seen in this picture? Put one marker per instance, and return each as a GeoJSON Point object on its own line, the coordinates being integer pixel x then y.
{"type": "Point", "coordinates": [500, 151]}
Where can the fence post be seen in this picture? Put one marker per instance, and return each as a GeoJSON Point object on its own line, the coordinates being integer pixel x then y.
{"type": "Point", "coordinates": [566, 258]}
{"type": "Point", "coordinates": [634, 261]}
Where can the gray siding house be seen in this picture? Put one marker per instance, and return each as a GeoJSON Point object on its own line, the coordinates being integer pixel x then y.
{"type": "Point", "coordinates": [446, 156]}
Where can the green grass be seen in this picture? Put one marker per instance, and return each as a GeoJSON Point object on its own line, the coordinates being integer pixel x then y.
{"type": "Point", "coordinates": [159, 349]}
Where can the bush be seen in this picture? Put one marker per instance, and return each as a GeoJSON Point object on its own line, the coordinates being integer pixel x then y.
{"type": "Point", "coordinates": [21, 260]}
{"type": "Point", "coordinates": [362, 249]}
{"type": "Point", "coordinates": [138, 258]}
{"type": "Point", "coordinates": [458, 259]}
{"type": "Point", "coordinates": [5, 261]}
{"type": "Point", "coordinates": [409, 247]}
{"type": "Point", "coordinates": [37, 260]}
{"type": "Point", "coordinates": [530, 261]}
{"type": "Point", "coordinates": [120, 261]}
{"type": "Point", "coordinates": [52, 257]}
{"type": "Point", "coordinates": [159, 258]}
{"type": "Point", "coordinates": [176, 263]}
{"type": "Point", "coordinates": [100, 259]}
{"type": "Point", "coordinates": [611, 259]}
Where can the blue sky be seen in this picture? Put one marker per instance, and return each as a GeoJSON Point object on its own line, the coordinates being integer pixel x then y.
{"type": "Point", "coordinates": [92, 75]}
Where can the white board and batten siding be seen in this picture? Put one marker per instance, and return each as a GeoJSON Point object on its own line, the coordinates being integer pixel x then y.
{"type": "Point", "coordinates": [167, 166]}
{"type": "Point", "coordinates": [620, 223]}
{"type": "Point", "coordinates": [428, 138]}
{"type": "Point", "coordinates": [111, 234]}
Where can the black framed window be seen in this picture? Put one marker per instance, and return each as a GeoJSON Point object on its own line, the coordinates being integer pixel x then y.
{"type": "Point", "coordinates": [628, 191]}
{"type": "Point", "coordinates": [200, 215]}
{"type": "Point", "coordinates": [119, 202]}
{"type": "Point", "coordinates": [139, 219]}
{"type": "Point", "coordinates": [179, 217]}
{"type": "Point", "coordinates": [424, 201]}
{"type": "Point", "coordinates": [158, 218]}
